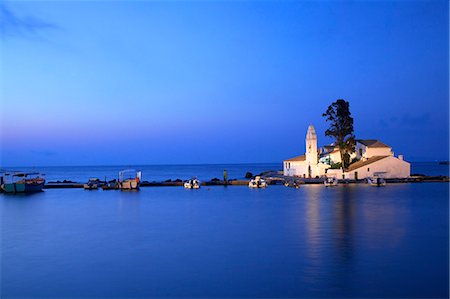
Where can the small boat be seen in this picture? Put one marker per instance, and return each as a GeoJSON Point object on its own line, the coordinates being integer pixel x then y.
{"type": "Point", "coordinates": [292, 183]}
{"type": "Point", "coordinates": [330, 182]}
{"type": "Point", "coordinates": [111, 185]}
{"type": "Point", "coordinates": [376, 182]}
{"type": "Point", "coordinates": [257, 182]}
{"type": "Point", "coordinates": [92, 184]}
{"type": "Point", "coordinates": [129, 179]}
{"type": "Point", "coordinates": [22, 182]}
{"type": "Point", "coordinates": [192, 184]}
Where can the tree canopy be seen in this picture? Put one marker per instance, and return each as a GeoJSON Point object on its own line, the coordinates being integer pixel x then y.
{"type": "Point", "coordinates": [341, 128]}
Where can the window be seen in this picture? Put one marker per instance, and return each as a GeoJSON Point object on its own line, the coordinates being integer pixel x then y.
{"type": "Point", "coordinates": [368, 169]}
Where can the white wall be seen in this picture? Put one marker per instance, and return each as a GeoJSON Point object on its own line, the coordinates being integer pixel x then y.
{"type": "Point", "coordinates": [295, 168]}
{"type": "Point", "coordinates": [368, 152]}
{"type": "Point", "coordinates": [378, 151]}
{"type": "Point", "coordinates": [394, 168]}
{"type": "Point", "coordinates": [286, 168]}
{"type": "Point", "coordinates": [300, 168]}
{"type": "Point", "coordinates": [322, 169]}
{"type": "Point", "coordinates": [336, 173]}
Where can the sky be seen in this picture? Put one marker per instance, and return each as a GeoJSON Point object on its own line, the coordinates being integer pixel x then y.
{"type": "Point", "coordinates": [191, 82]}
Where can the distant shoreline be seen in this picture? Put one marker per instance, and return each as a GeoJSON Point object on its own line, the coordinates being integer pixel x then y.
{"type": "Point", "coordinates": [443, 162]}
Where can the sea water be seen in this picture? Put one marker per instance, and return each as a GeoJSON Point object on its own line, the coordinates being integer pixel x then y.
{"type": "Point", "coordinates": [344, 241]}
{"type": "Point", "coordinates": [204, 172]}
{"type": "Point", "coordinates": [153, 172]}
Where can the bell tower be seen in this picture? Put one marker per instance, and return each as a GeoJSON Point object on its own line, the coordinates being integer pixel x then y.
{"type": "Point", "coordinates": [311, 147]}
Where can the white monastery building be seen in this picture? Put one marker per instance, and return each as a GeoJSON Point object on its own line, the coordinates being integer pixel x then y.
{"type": "Point", "coordinates": [307, 165]}
{"type": "Point", "coordinates": [372, 158]}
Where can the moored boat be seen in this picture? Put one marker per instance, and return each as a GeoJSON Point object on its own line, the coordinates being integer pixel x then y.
{"type": "Point", "coordinates": [111, 185]}
{"type": "Point", "coordinates": [257, 182]}
{"type": "Point", "coordinates": [376, 182]}
{"type": "Point", "coordinates": [22, 182]}
{"type": "Point", "coordinates": [129, 179]}
{"type": "Point", "coordinates": [330, 182]}
{"type": "Point", "coordinates": [192, 184]}
{"type": "Point", "coordinates": [292, 183]}
{"type": "Point", "coordinates": [92, 184]}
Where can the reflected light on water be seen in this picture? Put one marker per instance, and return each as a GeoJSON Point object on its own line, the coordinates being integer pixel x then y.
{"type": "Point", "coordinates": [314, 225]}
{"type": "Point", "coordinates": [383, 219]}
{"type": "Point", "coordinates": [346, 242]}
{"type": "Point", "coordinates": [128, 202]}
{"type": "Point", "coordinates": [344, 217]}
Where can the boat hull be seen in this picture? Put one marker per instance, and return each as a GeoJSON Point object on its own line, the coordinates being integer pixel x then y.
{"type": "Point", "coordinates": [192, 184]}
{"type": "Point", "coordinates": [90, 186]}
{"type": "Point", "coordinates": [378, 182]}
{"type": "Point", "coordinates": [255, 185]}
{"type": "Point", "coordinates": [129, 185]}
{"type": "Point", "coordinates": [188, 186]}
{"type": "Point", "coordinates": [330, 183]}
{"type": "Point", "coordinates": [22, 187]}
{"type": "Point", "coordinates": [110, 186]}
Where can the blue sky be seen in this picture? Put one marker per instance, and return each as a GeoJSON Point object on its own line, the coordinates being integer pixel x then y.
{"type": "Point", "coordinates": [153, 82]}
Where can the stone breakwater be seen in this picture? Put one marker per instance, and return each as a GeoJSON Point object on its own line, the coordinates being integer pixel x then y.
{"type": "Point", "coordinates": [271, 179]}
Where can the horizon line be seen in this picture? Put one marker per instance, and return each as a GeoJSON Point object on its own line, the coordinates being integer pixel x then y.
{"type": "Point", "coordinates": [181, 164]}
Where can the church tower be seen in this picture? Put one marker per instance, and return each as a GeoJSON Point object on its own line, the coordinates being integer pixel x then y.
{"type": "Point", "coordinates": [311, 147]}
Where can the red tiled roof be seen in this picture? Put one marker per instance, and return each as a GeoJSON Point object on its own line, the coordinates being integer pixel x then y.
{"type": "Point", "coordinates": [296, 159]}
{"type": "Point", "coordinates": [372, 143]}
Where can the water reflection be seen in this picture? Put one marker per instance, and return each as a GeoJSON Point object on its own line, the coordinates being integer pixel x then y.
{"type": "Point", "coordinates": [330, 230]}
{"type": "Point", "coordinates": [314, 224]}
{"type": "Point", "coordinates": [384, 219]}
{"type": "Point", "coordinates": [344, 239]}
{"type": "Point", "coordinates": [348, 241]}
{"type": "Point", "coordinates": [129, 203]}
{"type": "Point", "coordinates": [21, 196]}
{"type": "Point", "coordinates": [339, 221]}
{"type": "Point", "coordinates": [313, 220]}
{"type": "Point", "coordinates": [22, 203]}
{"type": "Point", "coordinates": [344, 218]}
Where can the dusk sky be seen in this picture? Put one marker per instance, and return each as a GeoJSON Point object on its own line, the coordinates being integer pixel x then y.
{"type": "Point", "coordinates": [188, 82]}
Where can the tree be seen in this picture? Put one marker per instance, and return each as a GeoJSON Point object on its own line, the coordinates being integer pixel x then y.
{"type": "Point", "coordinates": [341, 129]}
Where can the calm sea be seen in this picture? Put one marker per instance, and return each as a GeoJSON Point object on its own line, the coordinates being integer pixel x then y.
{"type": "Point", "coordinates": [184, 172]}
{"type": "Point", "coordinates": [347, 241]}
{"type": "Point", "coordinates": [153, 172]}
